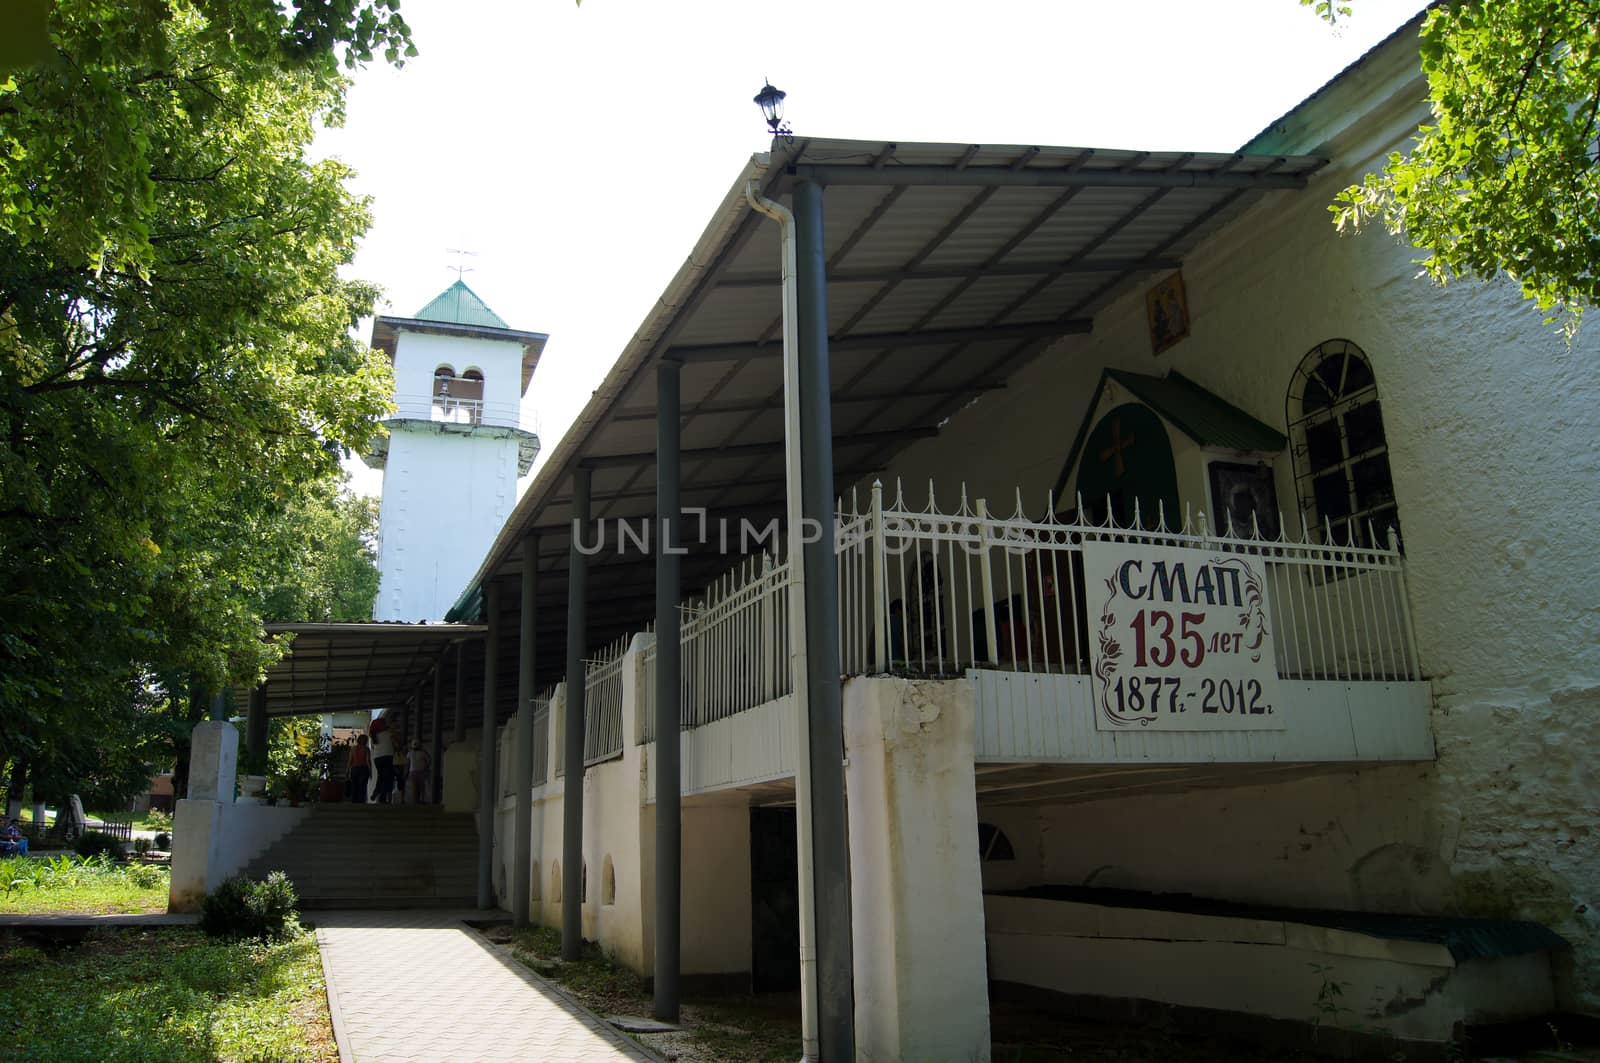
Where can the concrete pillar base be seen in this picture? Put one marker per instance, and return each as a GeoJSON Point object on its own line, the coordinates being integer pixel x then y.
{"type": "Point", "coordinates": [916, 889]}
{"type": "Point", "coordinates": [213, 761]}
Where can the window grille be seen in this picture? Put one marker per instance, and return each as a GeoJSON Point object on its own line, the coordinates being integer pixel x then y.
{"type": "Point", "coordinates": [1339, 449]}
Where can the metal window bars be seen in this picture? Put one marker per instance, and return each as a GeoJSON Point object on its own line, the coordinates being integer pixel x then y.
{"type": "Point", "coordinates": [602, 704]}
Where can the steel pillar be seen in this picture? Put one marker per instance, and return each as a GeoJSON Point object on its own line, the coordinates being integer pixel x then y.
{"type": "Point", "coordinates": [486, 760]}
{"type": "Point", "coordinates": [522, 830]}
{"type": "Point", "coordinates": [436, 743]}
{"type": "Point", "coordinates": [669, 825]}
{"type": "Point", "coordinates": [830, 840]}
{"type": "Point", "coordinates": [458, 716]}
{"type": "Point", "coordinates": [572, 795]}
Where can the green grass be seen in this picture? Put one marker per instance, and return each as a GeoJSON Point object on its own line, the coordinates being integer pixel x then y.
{"type": "Point", "coordinates": [165, 995]}
{"type": "Point", "coordinates": [69, 885]}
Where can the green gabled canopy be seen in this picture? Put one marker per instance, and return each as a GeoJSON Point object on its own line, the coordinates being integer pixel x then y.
{"type": "Point", "coordinates": [1203, 416]}
{"type": "Point", "coordinates": [1206, 418]}
{"type": "Point", "coordinates": [460, 305]}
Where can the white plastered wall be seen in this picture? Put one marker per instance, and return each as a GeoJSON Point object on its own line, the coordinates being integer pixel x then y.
{"type": "Point", "coordinates": [1492, 424]}
{"type": "Point", "coordinates": [619, 824]}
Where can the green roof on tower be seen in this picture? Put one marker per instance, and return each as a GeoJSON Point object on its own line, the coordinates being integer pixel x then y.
{"type": "Point", "coordinates": [460, 305]}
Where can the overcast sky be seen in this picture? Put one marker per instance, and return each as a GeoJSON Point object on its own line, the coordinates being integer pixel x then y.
{"type": "Point", "coordinates": [579, 151]}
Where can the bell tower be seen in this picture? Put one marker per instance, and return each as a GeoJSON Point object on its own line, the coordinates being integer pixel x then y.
{"type": "Point", "coordinates": [455, 448]}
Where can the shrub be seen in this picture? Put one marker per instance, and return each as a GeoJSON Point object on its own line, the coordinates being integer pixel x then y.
{"type": "Point", "coordinates": [164, 842]}
{"type": "Point", "coordinates": [244, 908]}
{"type": "Point", "coordinates": [96, 843]}
{"type": "Point", "coordinates": [141, 845]}
{"type": "Point", "coordinates": [147, 876]}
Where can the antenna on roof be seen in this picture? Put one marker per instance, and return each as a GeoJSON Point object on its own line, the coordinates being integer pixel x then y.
{"type": "Point", "coordinates": [461, 269]}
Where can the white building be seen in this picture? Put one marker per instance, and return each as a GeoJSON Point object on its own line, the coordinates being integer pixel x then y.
{"type": "Point", "coordinates": [1232, 635]}
{"type": "Point", "coordinates": [455, 448]}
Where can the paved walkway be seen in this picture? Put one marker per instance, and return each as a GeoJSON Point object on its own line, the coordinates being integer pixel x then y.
{"type": "Point", "coordinates": [419, 986]}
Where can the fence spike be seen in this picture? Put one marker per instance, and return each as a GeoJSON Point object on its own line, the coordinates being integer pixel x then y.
{"type": "Point", "coordinates": [1161, 514]}
{"type": "Point", "coordinates": [1394, 538]}
{"type": "Point", "coordinates": [1255, 526]}
{"type": "Point", "coordinates": [1188, 518]}
{"type": "Point", "coordinates": [1138, 518]}
{"type": "Point", "coordinates": [1021, 514]}
{"type": "Point", "coordinates": [1111, 517]}
{"type": "Point", "coordinates": [1204, 529]}
{"type": "Point", "coordinates": [1078, 495]}
{"type": "Point", "coordinates": [1283, 528]}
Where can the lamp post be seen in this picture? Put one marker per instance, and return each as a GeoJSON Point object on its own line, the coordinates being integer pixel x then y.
{"type": "Point", "coordinates": [770, 100]}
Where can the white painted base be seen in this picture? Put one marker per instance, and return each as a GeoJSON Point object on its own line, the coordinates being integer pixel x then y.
{"type": "Point", "coordinates": [1270, 968]}
{"type": "Point", "coordinates": [212, 840]}
{"type": "Point", "coordinates": [915, 889]}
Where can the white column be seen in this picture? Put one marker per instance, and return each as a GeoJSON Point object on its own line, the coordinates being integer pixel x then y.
{"type": "Point", "coordinates": [197, 824]}
{"type": "Point", "coordinates": [916, 892]}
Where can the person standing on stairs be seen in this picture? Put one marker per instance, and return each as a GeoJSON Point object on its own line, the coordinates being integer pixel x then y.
{"type": "Point", "coordinates": [417, 777]}
{"type": "Point", "coordinates": [360, 770]}
{"type": "Point", "coordinates": [383, 758]}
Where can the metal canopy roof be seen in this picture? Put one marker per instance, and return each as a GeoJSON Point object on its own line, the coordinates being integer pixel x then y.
{"type": "Point", "coordinates": [345, 667]}
{"type": "Point", "coordinates": [949, 267]}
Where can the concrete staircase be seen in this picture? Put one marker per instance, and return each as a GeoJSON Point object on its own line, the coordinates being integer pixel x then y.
{"type": "Point", "coordinates": [378, 856]}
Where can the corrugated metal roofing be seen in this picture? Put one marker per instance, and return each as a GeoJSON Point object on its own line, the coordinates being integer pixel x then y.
{"type": "Point", "coordinates": [949, 267]}
{"type": "Point", "coordinates": [349, 667]}
{"type": "Point", "coordinates": [460, 305]}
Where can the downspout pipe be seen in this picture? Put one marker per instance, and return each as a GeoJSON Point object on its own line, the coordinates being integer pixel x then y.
{"type": "Point", "coordinates": [798, 656]}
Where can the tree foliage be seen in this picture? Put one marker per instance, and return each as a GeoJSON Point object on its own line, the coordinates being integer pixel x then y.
{"type": "Point", "coordinates": [1506, 178]}
{"type": "Point", "coordinates": [178, 375]}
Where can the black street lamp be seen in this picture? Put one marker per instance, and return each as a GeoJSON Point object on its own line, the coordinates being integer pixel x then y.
{"type": "Point", "coordinates": [770, 100]}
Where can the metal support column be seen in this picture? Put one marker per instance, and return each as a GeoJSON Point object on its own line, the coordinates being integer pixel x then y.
{"type": "Point", "coordinates": [830, 841]}
{"type": "Point", "coordinates": [436, 738]}
{"type": "Point", "coordinates": [458, 726]}
{"type": "Point", "coordinates": [486, 780]}
{"type": "Point", "coordinates": [255, 731]}
{"type": "Point", "coordinates": [669, 827]}
{"type": "Point", "coordinates": [522, 830]}
{"type": "Point", "coordinates": [572, 795]}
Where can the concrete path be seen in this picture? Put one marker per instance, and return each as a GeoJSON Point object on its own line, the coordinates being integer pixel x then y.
{"type": "Point", "coordinates": [419, 986]}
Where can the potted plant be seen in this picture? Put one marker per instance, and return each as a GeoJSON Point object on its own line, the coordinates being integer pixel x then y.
{"type": "Point", "coordinates": [253, 784]}
{"type": "Point", "coordinates": [298, 766]}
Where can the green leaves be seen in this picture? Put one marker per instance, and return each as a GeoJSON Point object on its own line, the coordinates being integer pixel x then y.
{"type": "Point", "coordinates": [177, 371]}
{"type": "Point", "coordinates": [1506, 180]}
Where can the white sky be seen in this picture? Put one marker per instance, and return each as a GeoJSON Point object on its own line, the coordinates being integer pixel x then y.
{"type": "Point", "coordinates": [579, 151]}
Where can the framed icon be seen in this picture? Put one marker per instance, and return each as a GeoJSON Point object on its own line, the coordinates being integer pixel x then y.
{"type": "Point", "coordinates": [1168, 309]}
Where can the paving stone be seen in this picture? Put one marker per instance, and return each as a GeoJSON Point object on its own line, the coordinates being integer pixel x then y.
{"type": "Point", "coordinates": [418, 985]}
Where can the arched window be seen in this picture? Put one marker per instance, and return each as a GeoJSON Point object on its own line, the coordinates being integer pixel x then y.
{"type": "Point", "coordinates": [555, 881]}
{"type": "Point", "coordinates": [1340, 452]}
{"type": "Point", "coordinates": [443, 377]}
{"type": "Point", "coordinates": [993, 843]}
{"type": "Point", "coordinates": [533, 883]}
{"type": "Point", "coordinates": [608, 882]}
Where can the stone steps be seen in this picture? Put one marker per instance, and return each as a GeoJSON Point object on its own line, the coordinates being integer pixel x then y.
{"type": "Point", "coordinates": [362, 856]}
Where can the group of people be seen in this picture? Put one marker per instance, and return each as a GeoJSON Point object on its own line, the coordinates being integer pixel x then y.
{"type": "Point", "coordinates": [401, 777]}
{"type": "Point", "coordinates": [13, 842]}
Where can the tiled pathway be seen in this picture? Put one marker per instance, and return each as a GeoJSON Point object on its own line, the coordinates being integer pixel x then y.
{"type": "Point", "coordinates": [418, 986]}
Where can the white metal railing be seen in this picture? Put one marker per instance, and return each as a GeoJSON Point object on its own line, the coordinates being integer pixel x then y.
{"type": "Point", "coordinates": [735, 646]}
{"type": "Point", "coordinates": [931, 593]}
{"type": "Point", "coordinates": [449, 409]}
{"type": "Point", "coordinates": [541, 740]}
{"type": "Point", "coordinates": [602, 704]}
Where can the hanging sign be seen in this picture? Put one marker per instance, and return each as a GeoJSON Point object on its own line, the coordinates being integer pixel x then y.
{"type": "Point", "coordinates": [1181, 640]}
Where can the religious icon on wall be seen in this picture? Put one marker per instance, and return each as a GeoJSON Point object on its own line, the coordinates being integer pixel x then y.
{"type": "Point", "coordinates": [1244, 498]}
{"type": "Point", "coordinates": [1168, 309]}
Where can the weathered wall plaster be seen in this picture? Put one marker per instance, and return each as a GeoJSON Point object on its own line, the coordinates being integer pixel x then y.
{"type": "Point", "coordinates": [1492, 423]}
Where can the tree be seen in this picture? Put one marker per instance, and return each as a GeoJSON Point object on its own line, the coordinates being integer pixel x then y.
{"type": "Point", "coordinates": [1506, 179]}
{"type": "Point", "coordinates": [177, 371]}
